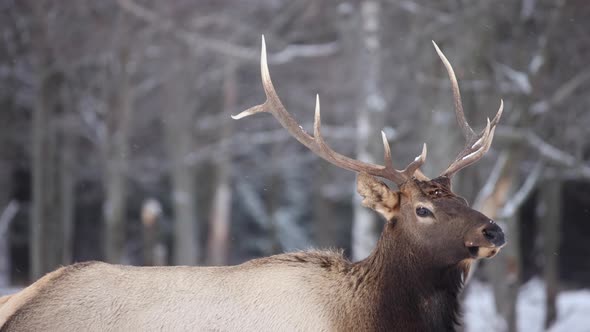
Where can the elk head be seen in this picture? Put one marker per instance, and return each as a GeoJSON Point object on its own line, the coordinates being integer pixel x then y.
{"type": "Point", "coordinates": [425, 211]}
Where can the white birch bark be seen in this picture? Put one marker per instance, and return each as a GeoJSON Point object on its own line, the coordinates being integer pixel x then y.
{"type": "Point", "coordinates": [369, 123]}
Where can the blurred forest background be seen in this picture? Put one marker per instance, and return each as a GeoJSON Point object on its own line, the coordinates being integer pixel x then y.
{"type": "Point", "coordinates": [116, 141]}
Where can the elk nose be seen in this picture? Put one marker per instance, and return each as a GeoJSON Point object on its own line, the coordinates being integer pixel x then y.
{"type": "Point", "coordinates": [494, 234]}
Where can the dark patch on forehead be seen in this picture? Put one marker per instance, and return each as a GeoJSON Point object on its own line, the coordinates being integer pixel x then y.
{"type": "Point", "coordinates": [436, 188]}
{"type": "Point", "coordinates": [442, 181]}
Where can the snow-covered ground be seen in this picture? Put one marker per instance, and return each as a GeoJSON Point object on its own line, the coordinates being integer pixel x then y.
{"type": "Point", "coordinates": [573, 309]}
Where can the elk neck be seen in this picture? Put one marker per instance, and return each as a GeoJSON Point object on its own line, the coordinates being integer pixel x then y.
{"type": "Point", "coordinates": [400, 281]}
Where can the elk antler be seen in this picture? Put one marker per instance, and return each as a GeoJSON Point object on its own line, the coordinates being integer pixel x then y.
{"type": "Point", "coordinates": [316, 143]}
{"type": "Point", "coordinates": [476, 145]}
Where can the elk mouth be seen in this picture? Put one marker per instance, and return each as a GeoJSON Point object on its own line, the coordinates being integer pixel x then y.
{"type": "Point", "coordinates": [473, 251]}
{"type": "Point", "coordinates": [483, 252]}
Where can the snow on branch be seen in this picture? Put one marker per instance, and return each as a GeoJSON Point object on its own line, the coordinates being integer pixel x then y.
{"type": "Point", "coordinates": [7, 216]}
{"type": "Point", "coordinates": [519, 79]}
{"type": "Point", "coordinates": [258, 138]}
{"type": "Point", "coordinates": [303, 51]}
{"type": "Point", "coordinates": [521, 195]}
{"type": "Point", "coordinates": [545, 150]}
{"type": "Point", "coordinates": [492, 181]}
{"type": "Point", "coordinates": [417, 9]}
{"type": "Point", "coordinates": [562, 93]}
{"type": "Point", "coordinates": [196, 41]}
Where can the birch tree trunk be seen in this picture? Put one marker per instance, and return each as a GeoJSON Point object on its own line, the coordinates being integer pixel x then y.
{"type": "Point", "coordinates": [116, 156]}
{"type": "Point", "coordinates": [505, 274]}
{"type": "Point", "coordinates": [6, 216]}
{"type": "Point", "coordinates": [52, 202]}
{"type": "Point", "coordinates": [219, 228]}
{"type": "Point", "coordinates": [38, 183]}
{"type": "Point", "coordinates": [504, 270]}
{"type": "Point", "coordinates": [325, 224]}
{"type": "Point", "coordinates": [550, 220]}
{"type": "Point", "coordinates": [66, 188]}
{"type": "Point", "coordinates": [47, 214]}
{"type": "Point", "coordinates": [67, 184]}
{"type": "Point", "coordinates": [186, 248]}
{"type": "Point", "coordinates": [370, 119]}
{"type": "Point", "coordinates": [178, 118]}
{"type": "Point", "coordinates": [8, 209]}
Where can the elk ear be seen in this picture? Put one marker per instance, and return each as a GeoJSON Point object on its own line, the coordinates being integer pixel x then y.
{"type": "Point", "coordinates": [377, 196]}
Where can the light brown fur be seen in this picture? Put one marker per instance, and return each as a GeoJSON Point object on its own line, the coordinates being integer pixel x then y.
{"type": "Point", "coordinates": [101, 297]}
{"type": "Point", "coordinates": [4, 299]}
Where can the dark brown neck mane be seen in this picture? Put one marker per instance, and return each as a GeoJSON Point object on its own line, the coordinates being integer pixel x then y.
{"type": "Point", "coordinates": [404, 292]}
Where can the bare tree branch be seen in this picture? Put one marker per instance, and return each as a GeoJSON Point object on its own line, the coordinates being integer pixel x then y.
{"type": "Point", "coordinates": [196, 41]}
{"type": "Point", "coordinates": [259, 138]}
{"type": "Point", "coordinates": [438, 25]}
{"type": "Point", "coordinates": [443, 83]}
{"type": "Point", "coordinates": [418, 9]}
{"type": "Point", "coordinates": [513, 203]}
{"type": "Point", "coordinates": [254, 205]}
{"type": "Point", "coordinates": [256, 209]}
{"type": "Point", "coordinates": [519, 79]}
{"type": "Point", "coordinates": [562, 93]}
{"type": "Point", "coordinates": [545, 150]}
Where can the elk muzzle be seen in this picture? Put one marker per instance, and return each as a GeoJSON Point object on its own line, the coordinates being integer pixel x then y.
{"type": "Point", "coordinates": [486, 241]}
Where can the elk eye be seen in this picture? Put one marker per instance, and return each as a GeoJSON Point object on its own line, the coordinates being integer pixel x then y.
{"type": "Point", "coordinates": [423, 212]}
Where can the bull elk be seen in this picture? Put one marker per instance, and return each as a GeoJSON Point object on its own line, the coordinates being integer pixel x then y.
{"type": "Point", "coordinates": [410, 282]}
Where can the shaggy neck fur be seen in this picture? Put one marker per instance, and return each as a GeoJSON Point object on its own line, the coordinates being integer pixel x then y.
{"type": "Point", "coordinates": [403, 291]}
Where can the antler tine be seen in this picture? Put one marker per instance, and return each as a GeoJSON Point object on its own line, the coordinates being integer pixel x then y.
{"type": "Point", "coordinates": [386, 151]}
{"type": "Point", "coordinates": [413, 169]}
{"type": "Point", "coordinates": [472, 153]}
{"type": "Point", "coordinates": [420, 176]}
{"type": "Point", "coordinates": [475, 145]}
{"type": "Point", "coordinates": [273, 104]}
{"type": "Point", "coordinates": [416, 164]}
{"type": "Point", "coordinates": [317, 143]}
{"type": "Point", "coordinates": [498, 115]}
{"type": "Point", "coordinates": [317, 119]}
{"type": "Point", "coordinates": [467, 130]}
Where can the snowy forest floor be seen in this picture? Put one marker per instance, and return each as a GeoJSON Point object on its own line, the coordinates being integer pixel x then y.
{"type": "Point", "coordinates": [573, 309]}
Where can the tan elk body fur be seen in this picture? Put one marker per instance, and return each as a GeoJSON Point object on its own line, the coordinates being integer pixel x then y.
{"type": "Point", "coordinates": [176, 298]}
